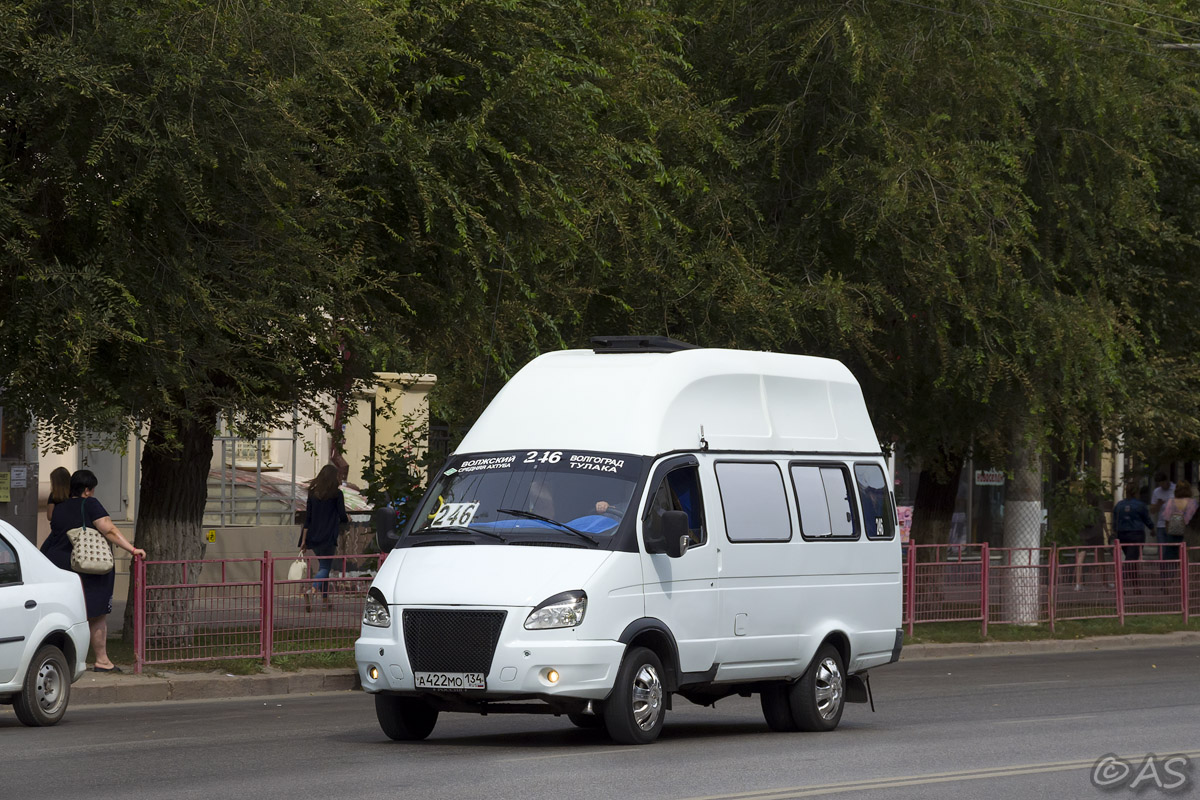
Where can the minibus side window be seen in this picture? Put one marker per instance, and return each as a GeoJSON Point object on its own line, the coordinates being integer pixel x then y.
{"type": "Point", "coordinates": [824, 498]}
{"type": "Point", "coordinates": [755, 502]}
{"type": "Point", "coordinates": [679, 490]}
{"type": "Point", "coordinates": [878, 514]}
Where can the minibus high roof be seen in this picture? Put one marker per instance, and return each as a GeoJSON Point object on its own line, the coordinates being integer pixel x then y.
{"type": "Point", "coordinates": [649, 401]}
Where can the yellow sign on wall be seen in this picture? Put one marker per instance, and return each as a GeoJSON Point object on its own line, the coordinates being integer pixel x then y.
{"type": "Point", "coordinates": [5, 487]}
{"type": "Point", "coordinates": [211, 536]}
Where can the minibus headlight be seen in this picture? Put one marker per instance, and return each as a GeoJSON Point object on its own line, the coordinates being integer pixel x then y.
{"type": "Point", "coordinates": [564, 610]}
{"type": "Point", "coordinates": [375, 610]}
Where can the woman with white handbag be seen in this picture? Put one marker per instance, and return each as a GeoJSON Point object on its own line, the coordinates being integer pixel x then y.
{"type": "Point", "coordinates": [324, 514]}
{"type": "Point", "coordinates": [81, 538]}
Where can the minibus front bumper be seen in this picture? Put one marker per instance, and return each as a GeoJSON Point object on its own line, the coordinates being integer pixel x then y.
{"type": "Point", "coordinates": [524, 663]}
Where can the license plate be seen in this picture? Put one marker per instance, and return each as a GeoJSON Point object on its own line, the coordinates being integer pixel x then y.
{"type": "Point", "coordinates": [451, 681]}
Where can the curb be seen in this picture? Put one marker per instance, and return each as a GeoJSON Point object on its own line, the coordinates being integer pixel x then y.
{"type": "Point", "coordinates": [98, 689]}
{"type": "Point", "coordinates": [1130, 641]}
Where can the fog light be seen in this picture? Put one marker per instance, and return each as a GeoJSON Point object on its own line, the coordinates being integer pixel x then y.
{"type": "Point", "coordinates": [373, 672]}
{"type": "Point", "coordinates": [552, 676]}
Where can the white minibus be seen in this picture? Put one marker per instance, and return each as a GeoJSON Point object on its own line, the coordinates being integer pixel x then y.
{"type": "Point", "coordinates": [638, 523]}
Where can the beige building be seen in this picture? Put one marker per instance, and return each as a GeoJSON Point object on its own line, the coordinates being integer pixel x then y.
{"type": "Point", "coordinates": [252, 482]}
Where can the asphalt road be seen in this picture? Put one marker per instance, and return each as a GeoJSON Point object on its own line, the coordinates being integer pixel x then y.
{"type": "Point", "coordinates": [1006, 727]}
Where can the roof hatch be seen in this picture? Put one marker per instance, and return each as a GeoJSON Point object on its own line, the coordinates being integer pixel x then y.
{"type": "Point", "coordinates": [638, 344]}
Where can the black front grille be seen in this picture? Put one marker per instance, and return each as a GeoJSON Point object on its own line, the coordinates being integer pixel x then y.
{"type": "Point", "coordinates": [451, 641]}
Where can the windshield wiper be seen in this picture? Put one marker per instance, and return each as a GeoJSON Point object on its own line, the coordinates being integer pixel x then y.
{"type": "Point", "coordinates": [458, 529]}
{"type": "Point", "coordinates": [516, 512]}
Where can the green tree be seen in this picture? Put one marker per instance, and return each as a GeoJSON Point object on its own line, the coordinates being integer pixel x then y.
{"type": "Point", "coordinates": [959, 198]}
{"type": "Point", "coordinates": [554, 176]}
{"type": "Point", "coordinates": [238, 209]}
{"type": "Point", "coordinates": [181, 239]}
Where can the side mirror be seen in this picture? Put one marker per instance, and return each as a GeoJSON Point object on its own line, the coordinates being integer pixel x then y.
{"type": "Point", "coordinates": [385, 529]}
{"type": "Point", "coordinates": [675, 531]}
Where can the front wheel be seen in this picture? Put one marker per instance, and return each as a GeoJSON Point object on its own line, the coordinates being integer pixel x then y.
{"type": "Point", "coordinates": [818, 698]}
{"type": "Point", "coordinates": [634, 712]}
{"type": "Point", "coordinates": [46, 690]}
{"type": "Point", "coordinates": [405, 719]}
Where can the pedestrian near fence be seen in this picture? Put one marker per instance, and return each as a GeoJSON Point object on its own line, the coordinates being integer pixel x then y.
{"type": "Point", "coordinates": [1173, 520]}
{"type": "Point", "coordinates": [323, 517]}
{"type": "Point", "coordinates": [1164, 490]}
{"type": "Point", "coordinates": [60, 489]}
{"type": "Point", "coordinates": [83, 509]}
{"type": "Point", "coordinates": [1131, 518]}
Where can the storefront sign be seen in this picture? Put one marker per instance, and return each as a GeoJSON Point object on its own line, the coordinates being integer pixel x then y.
{"type": "Point", "coordinates": [989, 477]}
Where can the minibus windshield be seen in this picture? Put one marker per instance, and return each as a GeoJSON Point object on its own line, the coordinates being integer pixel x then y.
{"type": "Point", "coordinates": [581, 496]}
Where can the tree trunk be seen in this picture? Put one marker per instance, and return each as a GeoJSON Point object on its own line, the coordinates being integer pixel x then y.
{"type": "Point", "coordinates": [1023, 522]}
{"type": "Point", "coordinates": [937, 489]}
{"type": "Point", "coordinates": [175, 465]}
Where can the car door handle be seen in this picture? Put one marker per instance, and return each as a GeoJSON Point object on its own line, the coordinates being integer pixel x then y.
{"type": "Point", "coordinates": [31, 603]}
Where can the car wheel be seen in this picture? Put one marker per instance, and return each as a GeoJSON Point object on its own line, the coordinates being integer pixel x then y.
{"type": "Point", "coordinates": [634, 712]}
{"type": "Point", "coordinates": [818, 699]}
{"type": "Point", "coordinates": [46, 690]}
{"type": "Point", "coordinates": [589, 721]}
{"type": "Point", "coordinates": [777, 708]}
{"type": "Point", "coordinates": [405, 719]}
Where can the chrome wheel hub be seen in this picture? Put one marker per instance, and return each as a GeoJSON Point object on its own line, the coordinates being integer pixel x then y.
{"type": "Point", "coordinates": [830, 686]}
{"type": "Point", "coordinates": [647, 697]}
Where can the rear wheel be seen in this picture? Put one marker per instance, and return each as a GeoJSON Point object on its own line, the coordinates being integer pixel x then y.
{"type": "Point", "coordinates": [818, 698]}
{"type": "Point", "coordinates": [405, 719]}
{"type": "Point", "coordinates": [634, 712]}
{"type": "Point", "coordinates": [777, 708]}
{"type": "Point", "coordinates": [47, 688]}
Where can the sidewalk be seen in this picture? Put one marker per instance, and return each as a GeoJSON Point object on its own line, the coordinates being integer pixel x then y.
{"type": "Point", "coordinates": [97, 688]}
{"type": "Point", "coordinates": [1131, 641]}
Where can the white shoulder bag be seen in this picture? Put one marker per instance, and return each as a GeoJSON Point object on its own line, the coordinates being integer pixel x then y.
{"type": "Point", "coordinates": [91, 554]}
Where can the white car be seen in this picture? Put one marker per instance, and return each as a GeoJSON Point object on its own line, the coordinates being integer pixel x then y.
{"type": "Point", "coordinates": [43, 631]}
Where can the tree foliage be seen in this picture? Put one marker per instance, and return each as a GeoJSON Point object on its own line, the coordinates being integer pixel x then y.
{"type": "Point", "coordinates": [968, 201]}
{"type": "Point", "coordinates": [553, 175]}
{"type": "Point", "coordinates": [987, 210]}
{"type": "Point", "coordinates": [180, 235]}
{"type": "Point", "coordinates": [237, 209]}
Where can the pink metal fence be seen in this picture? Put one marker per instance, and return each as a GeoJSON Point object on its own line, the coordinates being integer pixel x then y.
{"type": "Point", "coordinates": [995, 585]}
{"type": "Point", "coordinates": [1085, 585]}
{"type": "Point", "coordinates": [1193, 583]}
{"type": "Point", "coordinates": [187, 611]}
{"type": "Point", "coordinates": [324, 619]}
{"type": "Point", "coordinates": [1019, 586]}
{"type": "Point", "coordinates": [947, 583]}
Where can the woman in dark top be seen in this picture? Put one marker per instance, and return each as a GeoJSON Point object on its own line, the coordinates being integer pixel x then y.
{"type": "Point", "coordinates": [60, 490]}
{"type": "Point", "coordinates": [82, 508]}
{"type": "Point", "coordinates": [325, 512]}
